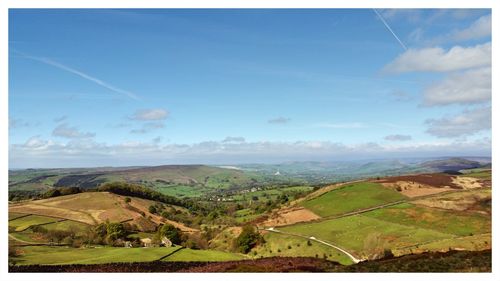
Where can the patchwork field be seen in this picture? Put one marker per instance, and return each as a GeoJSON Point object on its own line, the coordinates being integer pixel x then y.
{"type": "Point", "coordinates": [96, 207]}
{"type": "Point", "coordinates": [350, 198]}
{"type": "Point", "coordinates": [365, 236]}
{"type": "Point", "coordinates": [23, 223]}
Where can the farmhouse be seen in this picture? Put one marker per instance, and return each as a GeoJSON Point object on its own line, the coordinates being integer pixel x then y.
{"type": "Point", "coordinates": [146, 242]}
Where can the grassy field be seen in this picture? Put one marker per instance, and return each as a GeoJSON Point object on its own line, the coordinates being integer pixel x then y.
{"type": "Point", "coordinates": [351, 198]}
{"type": "Point", "coordinates": [203, 255]}
{"type": "Point", "coordinates": [181, 190]}
{"type": "Point", "coordinates": [270, 194]}
{"type": "Point", "coordinates": [25, 222]}
{"type": "Point", "coordinates": [446, 221]}
{"type": "Point", "coordinates": [290, 246]}
{"type": "Point", "coordinates": [67, 225]}
{"type": "Point", "coordinates": [245, 215]}
{"type": "Point", "coordinates": [364, 235]}
{"type": "Point", "coordinates": [64, 255]}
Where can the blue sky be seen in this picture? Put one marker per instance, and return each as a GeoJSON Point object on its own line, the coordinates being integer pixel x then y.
{"type": "Point", "coordinates": [148, 87]}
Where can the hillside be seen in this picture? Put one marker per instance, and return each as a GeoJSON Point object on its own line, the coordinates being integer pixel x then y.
{"type": "Point", "coordinates": [174, 180]}
{"type": "Point", "coordinates": [400, 215]}
{"type": "Point", "coordinates": [92, 208]}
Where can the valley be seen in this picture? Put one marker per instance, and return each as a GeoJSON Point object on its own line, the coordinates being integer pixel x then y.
{"type": "Point", "coordinates": [359, 221]}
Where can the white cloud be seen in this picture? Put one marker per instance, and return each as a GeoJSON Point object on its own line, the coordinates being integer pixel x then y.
{"type": "Point", "coordinates": [469, 87]}
{"type": "Point", "coordinates": [398, 138]}
{"type": "Point", "coordinates": [150, 114]}
{"type": "Point", "coordinates": [37, 152]}
{"type": "Point", "coordinates": [479, 29]}
{"type": "Point", "coordinates": [233, 139]}
{"type": "Point", "coordinates": [65, 131]}
{"type": "Point", "coordinates": [279, 120]}
{"type": "Point", "coordinates": [466, 123]}
{"type": "Point", "coordinates": [439, 60]}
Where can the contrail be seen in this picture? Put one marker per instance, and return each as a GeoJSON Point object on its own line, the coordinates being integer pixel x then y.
{"type": "Point", "coordinates": [390, 29]}
{"type": "Point", "coordinates": [81, 74]}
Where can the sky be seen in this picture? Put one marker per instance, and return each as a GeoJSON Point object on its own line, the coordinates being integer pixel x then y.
{"type": "Point", "coordinates": [126, 87]}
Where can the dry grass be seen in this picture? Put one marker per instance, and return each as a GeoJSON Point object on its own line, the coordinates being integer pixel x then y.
{"type": "Point", "coordinates": [96, 207]}
{"type": "Point", "coordinates": [289, 216]}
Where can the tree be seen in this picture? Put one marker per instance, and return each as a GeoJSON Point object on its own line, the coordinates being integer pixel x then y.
{"type": "Point", "coordinates": [152, 209]}
{"type": "Point", "coordinates": [248, 238]}
{"type": "Point", "coordinates": [115, 231]}
{"type": "Point", "coordinates": [171, 232]}
{"type": "Point", "coordinates": [127, 199]}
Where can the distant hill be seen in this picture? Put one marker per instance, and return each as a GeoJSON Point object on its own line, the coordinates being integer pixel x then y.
{"type": "Point", "coordinates": [451, 164]}
{"type": "Point", "coordinates": [188, 178]}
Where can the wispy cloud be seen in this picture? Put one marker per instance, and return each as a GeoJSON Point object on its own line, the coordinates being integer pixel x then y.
{"type": "Point", "coordinates": [279, 120]}
{"type": "Point", "coordinates": [81, 74]}
{"type": "Point", "coordinates": [153, 114]}
{"type": "Point", "coordinates": [65, 131]}
{"type": "Point", "coordinates": [398, 138]}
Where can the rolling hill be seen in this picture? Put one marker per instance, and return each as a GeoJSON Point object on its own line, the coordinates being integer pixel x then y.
{"type": "Point", "coordinates": [92, 208]}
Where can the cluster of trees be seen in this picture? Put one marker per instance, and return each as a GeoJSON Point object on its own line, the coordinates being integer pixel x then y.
{"type": "Point", "coordinates": [61, 191]}
{"type": "Point", "coordinates": [248, 239]}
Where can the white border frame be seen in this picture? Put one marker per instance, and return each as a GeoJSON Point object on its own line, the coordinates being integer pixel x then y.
{"type": "Point", "coordinates": [6, 4]}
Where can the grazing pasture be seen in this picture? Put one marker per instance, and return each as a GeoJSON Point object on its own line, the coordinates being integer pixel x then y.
{"type": "Point", "coordinates": [66, 255]}
{"type": "Point", "coordinates": [365, 236]}
{"type": "Point", "coordinates": [350, 198]}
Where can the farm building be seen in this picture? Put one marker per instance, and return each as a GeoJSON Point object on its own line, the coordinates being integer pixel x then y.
{"type": "Point", "coordinates": [146, 242]}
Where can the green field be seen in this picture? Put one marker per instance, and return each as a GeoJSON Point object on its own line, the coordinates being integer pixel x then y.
{"type": "Point", "coordinates": [181, 190]}
{"type": "Point", "coordinates": [270, 194]}
{"type": "Point", "coordinates": [66, 255]}
{"type": "Point", "coordinates": [244, 215]}
{"type": "Point", "coordinates": [446, 221]}
{"type": "Point", "coordinates": [203, 255]}
{"type": "Point", "coordinates": [67, 225]}
{"type": "Point", "coordinates": [351, 198]}
{"type": "Point", "coordinates": [25, 222]}
{"type": "Point", "coordinates": [290, 246]}
{"type": "Point", "coordinates": [365, 236]}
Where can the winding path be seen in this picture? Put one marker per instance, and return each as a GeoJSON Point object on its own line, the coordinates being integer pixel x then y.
{"type": "Point", "coordinates": [353, 258]}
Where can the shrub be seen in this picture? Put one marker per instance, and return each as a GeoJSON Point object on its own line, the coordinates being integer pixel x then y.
{"type": "Point", "coordinates": [127, 199]}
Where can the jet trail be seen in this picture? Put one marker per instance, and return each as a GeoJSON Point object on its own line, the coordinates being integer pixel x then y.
{"type": "Point", "coordinates": [390, 29]}
{"type": "Point", "coordinates": [81, 74]}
